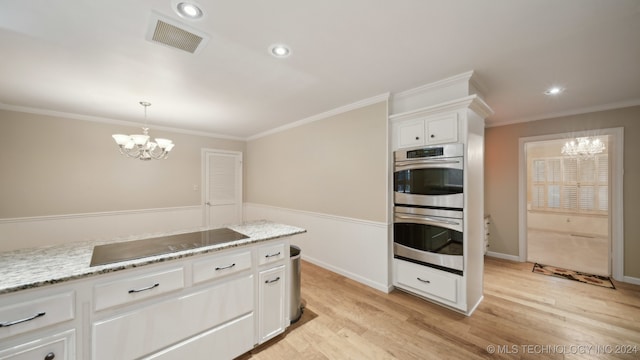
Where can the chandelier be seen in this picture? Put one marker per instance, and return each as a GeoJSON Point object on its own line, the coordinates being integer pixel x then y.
{"type": "Point", "coordinates": [583, 147]}
{"type": "Point", "coordinates": [138, 146]}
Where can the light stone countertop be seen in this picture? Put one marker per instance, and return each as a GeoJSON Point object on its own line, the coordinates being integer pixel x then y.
{"type": "Point", "coordinates": [30, 268]}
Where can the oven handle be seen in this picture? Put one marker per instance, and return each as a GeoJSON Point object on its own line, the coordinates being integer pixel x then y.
{"type": "Point", "coordinates": [454, 225]}
{"type": "Point", "coordinates": [428, 219]}
{"type": "Point", "coordinates": [429, 164]}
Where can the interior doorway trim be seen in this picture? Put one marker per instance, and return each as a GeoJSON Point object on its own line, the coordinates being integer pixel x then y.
{"type": "Point", "coordinates": [617, 212]}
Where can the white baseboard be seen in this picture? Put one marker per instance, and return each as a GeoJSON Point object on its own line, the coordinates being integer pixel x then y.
{"type": "Point", "coordinates": [631, 280]}
{"type": "Point", "coordinates": [355, 248]}
{"type": "Point", "coordinates": [382, 287]}
{"type": "Point", "coordinates": [503, 256]}
{"type": "Point", "coordinates": [19, 233]}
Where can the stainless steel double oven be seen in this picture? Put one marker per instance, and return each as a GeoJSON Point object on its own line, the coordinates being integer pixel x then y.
{"type": "Point", "coordinates": [428, 212]}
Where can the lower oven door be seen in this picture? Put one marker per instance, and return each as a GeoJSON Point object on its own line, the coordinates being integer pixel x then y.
{"type": "Point", "coordinates": [430, 240]}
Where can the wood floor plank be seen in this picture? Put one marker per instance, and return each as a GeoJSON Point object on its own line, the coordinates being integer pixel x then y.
{"type": "Point", "coordinates": [524, 315]}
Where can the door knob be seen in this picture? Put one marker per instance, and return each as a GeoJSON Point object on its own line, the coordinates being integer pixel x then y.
{"type": "Point", "coordinates": [208, 203]}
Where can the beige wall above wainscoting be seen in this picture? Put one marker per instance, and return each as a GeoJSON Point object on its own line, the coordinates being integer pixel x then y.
{"type": "Point", "coordinates": [335, 166]}
{"type": "Point", "coordinates": [53, 166]}
{"type": "Point", "coordinates": [501, 175]}
{"type": "Point", "coordinates": [330, 177]}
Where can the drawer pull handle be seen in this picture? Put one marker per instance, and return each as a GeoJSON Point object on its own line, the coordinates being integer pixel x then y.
{"type": "Point", "coordinates": [272, 255]}
{"type": "Point", "coordinates": [50, 356]}
{"type": "Point", "coordinates": [424, 281]}
{"type": "Point", "coordinates": [144, 289]}
{"type": "Point", "coordinates": [225, 267]}
{"type": "Point", "coordinates": [272, 281]}
{"type": "Point", "coordinates": [10, 323]}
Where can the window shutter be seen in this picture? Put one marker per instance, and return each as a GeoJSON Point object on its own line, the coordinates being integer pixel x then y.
{"type": "Point", "coordinates": [570, 197]}
{"type": "Point", "coordinates": [538, 170]}
{"type": "Point", "coordinates": [587, 170]}
{"type": "Point", "coordinates": [603, 169]}
{"type": "Point", "coordinates": [554, 174]}
{"type": "Point", "coordinates": [603, 198]}
{"type": "Point", "coordinates": [538, 196]}
{"type": "Point", "coordinates": [570, 170]}
{"type": "Point", "coordinates": [553, 200]}
{"type": "Point", "coordinates": [586, 197]}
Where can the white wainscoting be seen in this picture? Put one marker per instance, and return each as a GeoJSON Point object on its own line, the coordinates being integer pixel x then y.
{"type": "Point", "coordinates": [357, 249]}
{"type": "Point", "coordinates": [19, 233]}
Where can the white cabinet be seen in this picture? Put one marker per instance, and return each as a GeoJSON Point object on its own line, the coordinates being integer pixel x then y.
{"type": "Point", "coordinates": [227, 341]}
{"type": "Point", "coordinates": [457, 120]}
{"type": "Point", "coordinates": [143, 331]}
{"type": "Point", "coordinates": [60, 346]}
{"type": "Point", "coordinates": [216, 305]}
{"type": "Point", "coordinates": [272, 318]}
{"type": "Point", "coordinates": [18, 316]}
{"type": "Point", "coordinates": [442, 129]}
{"type": "Point", "coordinates": [411, 133]}
{"type": "Point", "coordinates": [221, 266]}
{"type": "Point", "coordinates": [428, 282]}
{"type": "Point", "coordinates": [135, 288]}
{"type": "Point", "coordinates": [439, 129]}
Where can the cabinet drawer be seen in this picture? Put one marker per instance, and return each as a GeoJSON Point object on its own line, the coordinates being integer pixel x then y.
{"type": "Point", "coordinates": [36, 314]}
{"type": "Point", "coordinates": [154, 327]}
{"type": "Point", "coordinates": [219, 266]}
{"type": "Point", "coordinates": [427, 280]}
{"type": "Point", "coordinates": [271, 253]}
{"type": "Point", "coordinates": [225, 342]}
{"type": "Point", "coordinates": [59, 347]}
{"type": "Point", "coordinates": [139, 287]}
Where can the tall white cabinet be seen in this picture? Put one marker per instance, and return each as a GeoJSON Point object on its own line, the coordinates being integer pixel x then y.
{"type": "Point", "coordinates": [450, 111]}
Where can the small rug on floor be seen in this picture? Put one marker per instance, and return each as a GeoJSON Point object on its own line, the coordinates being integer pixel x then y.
{"type": "Point", "coordinates": [598, 280]}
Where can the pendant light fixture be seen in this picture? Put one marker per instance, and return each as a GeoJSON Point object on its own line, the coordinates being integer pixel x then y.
{"type": "Point", "coordinates": [138, 146]}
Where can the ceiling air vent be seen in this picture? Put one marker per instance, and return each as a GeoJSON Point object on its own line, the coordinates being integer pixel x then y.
{"type": "Point", "coordinates": [172, 33]}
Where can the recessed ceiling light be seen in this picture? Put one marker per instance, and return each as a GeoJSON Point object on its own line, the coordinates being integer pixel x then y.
{"type": "Point", "coordinates": [555, 90]}
{"type": "Point", "coordinates": [189, 10]}
{"type": "Point", "coordinates": [279, 50]}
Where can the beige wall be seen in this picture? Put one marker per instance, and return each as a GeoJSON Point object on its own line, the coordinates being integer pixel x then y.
{"type": "Point", "coordinates": [334, 166]}
{"type": "Point", "coordinates": [501, 175]}
{"type": "Point", "coordinates": [53, 166]}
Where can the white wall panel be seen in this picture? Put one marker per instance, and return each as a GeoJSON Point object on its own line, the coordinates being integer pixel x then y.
{"type": "Point", "coordinates": [38, 231]}
{"type": "Point", "coordinates": [357, 249]}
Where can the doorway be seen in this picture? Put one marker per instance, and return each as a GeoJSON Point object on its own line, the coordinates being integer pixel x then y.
{"type": "Point", "coordinates": [568, 223]}
{"type": "Point", "coordinates": [550, 194]}
{"type": "Point", "coordinates": [221, 187]}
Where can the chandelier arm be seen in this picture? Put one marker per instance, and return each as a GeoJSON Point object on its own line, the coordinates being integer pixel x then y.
{"type": "Point", "coordinates": [162, 154]}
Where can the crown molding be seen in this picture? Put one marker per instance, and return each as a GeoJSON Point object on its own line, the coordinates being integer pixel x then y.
{"type": "Point", "coordinates": [343, 109]}
{"type": "Point", "coordinates": [473, 102]}
{"type": "Point", "coordinates": [579, 111]}
{"type": "Point", "coordinates": [60, 114]}
{"type": "Point", "coordinates": [464, 77]}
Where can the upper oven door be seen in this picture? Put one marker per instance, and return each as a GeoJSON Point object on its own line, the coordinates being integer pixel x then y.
{"type": "Point", "coordinates": [429, 182]}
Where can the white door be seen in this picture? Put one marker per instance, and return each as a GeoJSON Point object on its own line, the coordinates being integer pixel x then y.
{"type": "Point", "coordinates": [222, 188]}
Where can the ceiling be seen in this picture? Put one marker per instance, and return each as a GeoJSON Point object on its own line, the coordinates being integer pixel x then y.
{"type": "Point", "coordinates": [90, 58]}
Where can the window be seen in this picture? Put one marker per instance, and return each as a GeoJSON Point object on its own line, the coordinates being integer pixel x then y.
{"type": "Point", "coordinates": [570, 184]}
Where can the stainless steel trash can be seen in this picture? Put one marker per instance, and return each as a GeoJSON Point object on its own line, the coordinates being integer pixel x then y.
{"type": "Point", "coordinates": [294, 274]}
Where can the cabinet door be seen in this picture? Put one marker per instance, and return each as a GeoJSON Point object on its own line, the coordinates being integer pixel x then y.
{"type": "Point", "coordinates": [411, 133]}
{"type": "Point", "coordinates": [59, 347]}
{"type": "Point", "coordinates": [271, 303]}
{"type": "Point", "coordinates": [443, 129]}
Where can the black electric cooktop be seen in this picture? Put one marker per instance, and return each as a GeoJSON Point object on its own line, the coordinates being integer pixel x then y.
{"type": "Point", "coordinates": [116, 252]}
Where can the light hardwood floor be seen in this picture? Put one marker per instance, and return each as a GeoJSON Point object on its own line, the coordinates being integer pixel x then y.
{"type": "Point", "coordinates": [523, 316]}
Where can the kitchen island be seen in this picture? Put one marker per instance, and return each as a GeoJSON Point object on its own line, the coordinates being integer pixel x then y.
{"type": "Point", "coordinates": [186, 303]}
